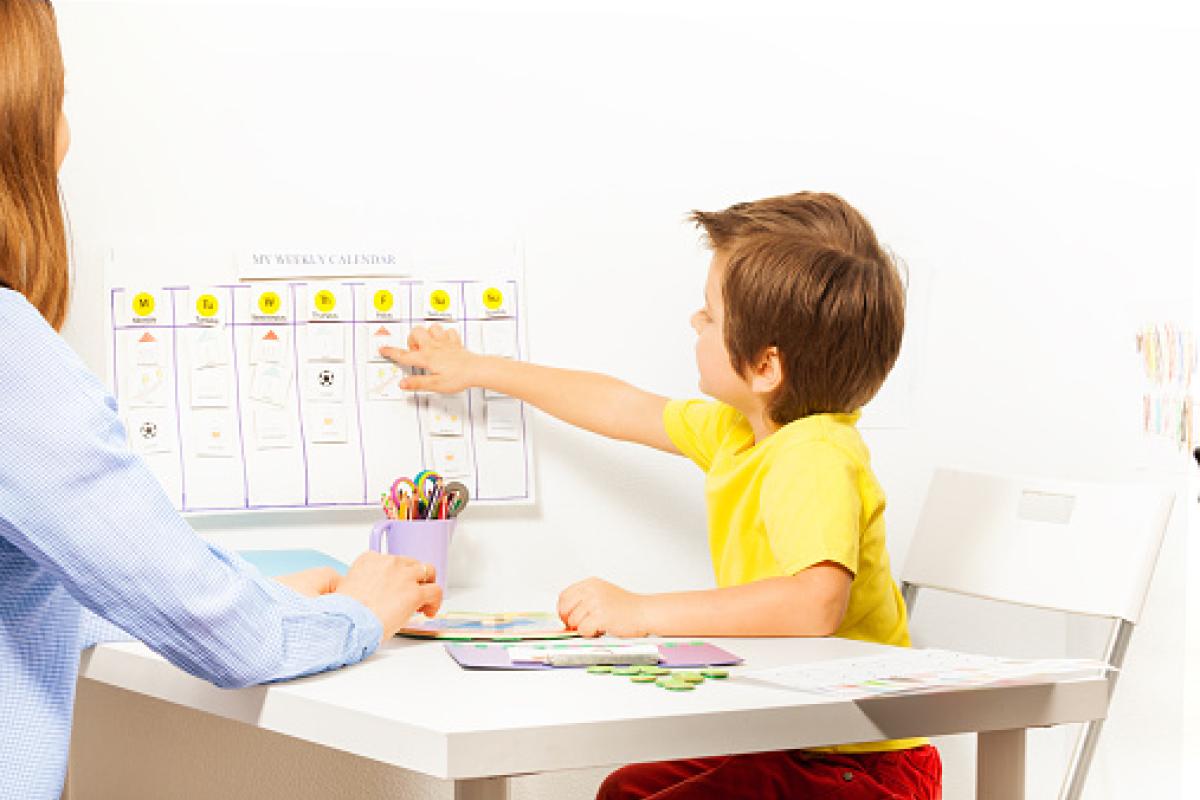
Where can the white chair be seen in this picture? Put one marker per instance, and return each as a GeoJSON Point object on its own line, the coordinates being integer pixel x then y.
{"type": "Point", "coordinates": [1079, 548]}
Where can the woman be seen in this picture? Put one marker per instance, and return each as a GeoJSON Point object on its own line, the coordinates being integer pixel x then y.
{"type": "Point", "coordinates": [84, 526]}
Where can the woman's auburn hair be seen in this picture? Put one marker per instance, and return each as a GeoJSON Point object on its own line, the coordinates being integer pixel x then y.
{"type": "Point", "coordinates": [33, 241]}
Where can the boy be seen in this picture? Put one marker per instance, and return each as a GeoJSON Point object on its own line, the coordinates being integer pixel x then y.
{"type": "Point", "coordinates": [802, 320]}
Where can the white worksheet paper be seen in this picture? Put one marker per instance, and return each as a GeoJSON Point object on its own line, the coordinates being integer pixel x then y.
{"type": "Point", "coordinates": [918, 670]}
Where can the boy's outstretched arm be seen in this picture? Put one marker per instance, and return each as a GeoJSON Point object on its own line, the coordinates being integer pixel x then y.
{"type": "Point", "coordinates": [810, 603]}
{"type": "Point", "coordinates": [588, 400]}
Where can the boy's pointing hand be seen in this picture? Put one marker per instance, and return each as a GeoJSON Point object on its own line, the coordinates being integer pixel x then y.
{"type": "Point", "coordinates": [440, 353]}
{"type": "Point", "coordinates": [594, 607]}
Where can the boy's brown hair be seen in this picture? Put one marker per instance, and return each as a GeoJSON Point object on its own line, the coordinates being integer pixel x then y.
{"type": "Point", "coordinates": [806, 275]}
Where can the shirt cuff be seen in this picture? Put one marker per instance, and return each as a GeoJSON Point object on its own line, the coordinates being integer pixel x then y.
{"type": "Point", "coordinates": [94, 630]}
{"type": "Point", "coordinates": [367, 629]}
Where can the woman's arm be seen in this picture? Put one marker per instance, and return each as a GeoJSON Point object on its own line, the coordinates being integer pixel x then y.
{"type": "Point", "coordinates": [76, 501]}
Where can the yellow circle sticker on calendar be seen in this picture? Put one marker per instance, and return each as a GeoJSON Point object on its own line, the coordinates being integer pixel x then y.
{"type": "Point", "coordinates": [324, 301]}
{"type": "Point", "coordinates": [493, 298]}
{"type": "Point", "coordinates": [206, 305]}
{"type": "Point", "coordinates": [268, 303]}
{"type": "Point", "coordinates": [439, 300]}
{"type": "Point", "coordinates": [384, 300]}
{"type": "Point", "coordinates": [143, 304]}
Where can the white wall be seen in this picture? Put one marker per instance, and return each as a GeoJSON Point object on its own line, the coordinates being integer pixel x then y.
{"type": "Point", "coordinates": [1037, 171]}
{"type": "Point", "coordinates": [1191, 739]}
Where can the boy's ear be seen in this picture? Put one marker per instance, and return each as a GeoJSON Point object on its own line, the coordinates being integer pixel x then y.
{"type": "Point", "coordinates": [766, 374]}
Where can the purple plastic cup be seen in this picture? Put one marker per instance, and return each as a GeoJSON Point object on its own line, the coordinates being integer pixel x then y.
{"type": "Point", "coordinates": [425, 540]}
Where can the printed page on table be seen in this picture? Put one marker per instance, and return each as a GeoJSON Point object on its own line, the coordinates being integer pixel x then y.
{"type": "Point", "coordinates": [917, 670]}
{"type": "Point", "coordinates": [470, 625]}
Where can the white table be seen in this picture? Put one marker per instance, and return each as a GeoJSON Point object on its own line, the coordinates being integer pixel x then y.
{"type": "Point", "coordinates": [411, 706]}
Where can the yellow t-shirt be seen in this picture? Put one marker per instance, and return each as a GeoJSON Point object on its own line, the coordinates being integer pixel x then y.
{"type": "Point", "coordinates": [803, 495]}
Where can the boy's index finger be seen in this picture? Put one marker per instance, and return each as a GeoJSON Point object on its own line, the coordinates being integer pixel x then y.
{"type": "Point", "coordinates": [405, 358]}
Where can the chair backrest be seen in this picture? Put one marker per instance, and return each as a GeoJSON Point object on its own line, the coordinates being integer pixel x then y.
{"type": "Point", "coordinates": [1076, 547]}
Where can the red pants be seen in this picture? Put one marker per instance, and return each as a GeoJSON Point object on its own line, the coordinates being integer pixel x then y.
{"type": "Point", "coordinates": [914, 774]}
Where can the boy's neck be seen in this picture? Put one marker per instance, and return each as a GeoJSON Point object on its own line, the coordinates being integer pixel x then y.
{"type": "Point", "coordinates": [760, 421]}
{"type": "Point", "coordinates": [763, 428]}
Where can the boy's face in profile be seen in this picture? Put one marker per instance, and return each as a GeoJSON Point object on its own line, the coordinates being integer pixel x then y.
{"type": "Point", "coordinates": [717, 376]}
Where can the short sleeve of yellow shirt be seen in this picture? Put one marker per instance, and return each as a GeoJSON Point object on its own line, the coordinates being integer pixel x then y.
{"type": "Point", "coordinates": [698, 427]}
{"type": "Point", "coordinates": [810, 507]}
{"type": "Point", "coordinates": [804, 495]}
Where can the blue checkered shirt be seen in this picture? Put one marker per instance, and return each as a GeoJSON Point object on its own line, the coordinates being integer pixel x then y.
{"type": "Point", "coordinates": [89, 540]}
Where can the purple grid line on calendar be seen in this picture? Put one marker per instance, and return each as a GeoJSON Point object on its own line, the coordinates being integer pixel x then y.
{"type": "Point", "coordinates": [517, 300]}
{"type": "Point", "coordinates": [362, 450]}
{"type": "Point", "coordinates": [470, 420]}
{"type": "Point", "coordinates": [175, 392]}
{"type": "Point", "coordinates": [237, 399]}
{"type": "Point", "coordinates": [417, 405]}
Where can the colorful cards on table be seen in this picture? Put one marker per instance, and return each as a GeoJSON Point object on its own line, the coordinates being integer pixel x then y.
{"type": "Point", "coordinates": [499, 655]}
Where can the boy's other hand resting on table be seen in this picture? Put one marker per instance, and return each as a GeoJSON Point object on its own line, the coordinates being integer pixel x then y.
{"type": "Point", "coordinates": [594, 607]}
{"type": "Point", "coordinates": [393, 588]}
{"type": "Point", "coordinates": [449, 367]}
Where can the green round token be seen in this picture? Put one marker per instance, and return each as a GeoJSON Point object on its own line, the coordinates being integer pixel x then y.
{"type": "Point", "coordinates": [677, 686]}
{"type": "Point", "coordinates": [690, 677]}
{"type": "Point", "coordinates": [655, 671]}
{"type": "Point", "coordinates": [642, 678]}
{"type": "Point", "coordinates": [600, 669]}
{"type": "Point", "coordinates": [626, 670]}
{"type": "Point", "coordinates": [715, 673]}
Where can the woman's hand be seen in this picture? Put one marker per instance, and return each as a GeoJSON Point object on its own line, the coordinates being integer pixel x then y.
{"type": "Point", "coordinates": [593, 607]}
{"type": "Point", "coordinates": [449, 367]}
{"type": "Point", "coordinates": [312, 582]}
{"type": "Point", "coordinates": [393, 588]}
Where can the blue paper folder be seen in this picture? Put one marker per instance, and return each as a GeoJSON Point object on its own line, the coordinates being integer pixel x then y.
{"type": "Point", "coordinates": [281, 562]}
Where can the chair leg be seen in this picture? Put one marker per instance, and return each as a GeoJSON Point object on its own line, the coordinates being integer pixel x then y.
{"type": "Point", "coordinates": [908, 591]}
{"type": "Point", "coordinates": [1081, 760]}
{"type": "Point", "coordinates": [1085, 745]}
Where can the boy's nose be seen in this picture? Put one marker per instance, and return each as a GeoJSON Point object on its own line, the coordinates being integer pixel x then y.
{"type": "Point", "coordinates": [694, 321]}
